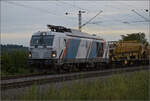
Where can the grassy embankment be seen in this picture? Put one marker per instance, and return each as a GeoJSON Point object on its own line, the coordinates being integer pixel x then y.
{"type": "Point", "coordinates": [117, 87]}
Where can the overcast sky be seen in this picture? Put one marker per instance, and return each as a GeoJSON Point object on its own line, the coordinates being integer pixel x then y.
{"type": "Point", "coordinates": [20, 19]}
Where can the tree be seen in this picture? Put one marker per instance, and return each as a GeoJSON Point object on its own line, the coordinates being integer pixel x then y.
{"type": "Point", "coordinates": [139, 37]}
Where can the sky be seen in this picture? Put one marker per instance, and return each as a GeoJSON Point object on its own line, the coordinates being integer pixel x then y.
{"type": "Point", "coordinates": [20, 19]}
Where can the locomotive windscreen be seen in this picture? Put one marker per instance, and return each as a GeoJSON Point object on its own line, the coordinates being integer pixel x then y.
{"type": "Point", "coordinates": [42, 40]}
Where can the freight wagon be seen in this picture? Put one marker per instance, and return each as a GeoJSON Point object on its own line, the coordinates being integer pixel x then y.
{"type": "Point", "coordinates": [128, 52]}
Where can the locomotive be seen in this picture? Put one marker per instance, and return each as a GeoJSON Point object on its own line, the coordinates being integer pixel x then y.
{"type": "Point", "coordinates": [63, 47]}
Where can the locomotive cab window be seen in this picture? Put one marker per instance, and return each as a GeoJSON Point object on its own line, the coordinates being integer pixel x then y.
{"type": "Point", "coordinates": [42, 40]}
{"type": "Point", "coordinates": [48, 40]}
{"type": "Point", "coordinates": [35, 40]}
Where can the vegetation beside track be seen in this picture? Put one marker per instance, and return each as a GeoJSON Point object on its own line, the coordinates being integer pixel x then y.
{"type": "Point", "coordinates": [14, 60]}
{"type": "Point", "coordinates": [117, 87]}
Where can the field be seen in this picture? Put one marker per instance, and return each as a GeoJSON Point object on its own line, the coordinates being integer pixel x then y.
{"type": "Point", "coordinates": [117, 87]}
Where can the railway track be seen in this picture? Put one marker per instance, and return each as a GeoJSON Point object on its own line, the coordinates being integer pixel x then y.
{"type": "Point", "coordinates": [23, 76]}
{"type": "Point", "coordinates": [24, 81]}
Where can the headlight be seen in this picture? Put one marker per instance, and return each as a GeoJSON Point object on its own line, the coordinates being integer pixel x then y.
{"type": "Point", "coordinates": [53, 55]}
{"type": "Point", "coordinates": [44, 33]}
{"type": "Point", "coordinates": [30, 55]}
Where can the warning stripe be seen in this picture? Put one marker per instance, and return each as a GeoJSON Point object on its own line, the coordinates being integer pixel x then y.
{"type": "Point", "coordinates": [65, 51]}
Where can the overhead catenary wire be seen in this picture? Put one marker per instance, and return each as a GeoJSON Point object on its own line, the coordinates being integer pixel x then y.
{"type": "Point", "coordinates": [35, 8]}
{"type": "Point", "coordinates": [127, 15]}
{"type": "Point", "coordinates": [125, 22]}
{"type": "Point", "coordinates": [52, 13]}
{"type": "Point", "coordinates": [71, 5]}
{"type": "Point", "coordinates": [146, 19]}
{"type": "Point", "coordinates": [92, 18]}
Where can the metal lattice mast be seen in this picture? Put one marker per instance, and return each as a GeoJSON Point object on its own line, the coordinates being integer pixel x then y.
{"type": "Point", "coordinates": [80, 20]}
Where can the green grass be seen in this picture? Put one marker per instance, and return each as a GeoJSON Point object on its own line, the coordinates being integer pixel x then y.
{"type": "Point", "coordinates": [14, 63]}
{"type": "Point", "coordinates": [116, 87]}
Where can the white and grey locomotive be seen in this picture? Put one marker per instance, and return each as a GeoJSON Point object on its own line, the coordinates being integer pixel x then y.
{"type": "Point", "coordinates": [64, 46]}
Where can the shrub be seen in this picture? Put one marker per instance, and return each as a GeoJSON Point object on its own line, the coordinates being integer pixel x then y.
{"type": "Point", "coordinates": [14, 62]}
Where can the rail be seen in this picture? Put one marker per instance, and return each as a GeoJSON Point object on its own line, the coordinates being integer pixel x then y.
{"type": "Point", "coordinates": [43, 79]}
